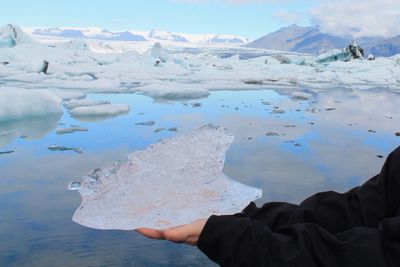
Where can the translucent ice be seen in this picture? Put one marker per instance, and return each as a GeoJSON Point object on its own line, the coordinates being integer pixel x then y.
{"type": "Point", "coordinates": [170, 183]}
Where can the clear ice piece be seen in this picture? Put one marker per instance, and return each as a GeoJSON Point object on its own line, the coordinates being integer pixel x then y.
{"type": "Point", "coordinates": [170, 183]}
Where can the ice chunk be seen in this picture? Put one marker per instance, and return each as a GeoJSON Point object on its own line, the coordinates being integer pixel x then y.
{"type": "Point", "coordinates": [6, 152]}
{"type": "Point", "coordinates": [352, 51]}
{"type": "Point", "coordinates": [170, 183]}
{"type": "Point", "coordinates": [100, 110]}
{"type": "Point", "coordinates": [11, 35]}
{"type": "Point", "coordinates": [301, 95]}
{"type": "Point", "coordinates": [74, 186]}
{"type": "Point", "coordinates": [71, 129]}
{"type": "Point", "coordinates": [146, 123]}
{"type": "Point", "coordinates": [159, 53]}
{"type": "Point", "coordinates": [73, 103]}
{"type": "Point", "coordinates": [17, 103]}
{"type": "Point", "coordinates": [65, 148]}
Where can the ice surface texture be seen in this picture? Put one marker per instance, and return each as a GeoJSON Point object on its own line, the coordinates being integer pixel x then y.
{"type": "Point", "coordinates": [18, 103]}
{"type": "Point", "coordinates": [170, 183]}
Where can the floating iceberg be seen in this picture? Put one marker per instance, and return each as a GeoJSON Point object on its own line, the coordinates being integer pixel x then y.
{"type": "Point", "coordinates": [170, 183]}
{"type": "Point", "coordinates": [100, 110]}
{"type": "Point", "coordinates": [159, 53]}
{"type": "Point", "coordinates": [352, 51]}
{"type": "Point", "coordinates": [65, 148]}
{"type": "Point", "coordinates": [71, 129]}
{"type": "Point", "coordinates": [11, 35]}
{"type": "Point", "coordinates": [18, 103]}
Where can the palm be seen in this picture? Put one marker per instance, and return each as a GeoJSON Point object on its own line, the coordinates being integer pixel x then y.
{"type": "Point", "coordinates": [187, 233]}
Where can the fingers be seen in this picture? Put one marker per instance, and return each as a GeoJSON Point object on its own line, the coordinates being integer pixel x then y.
{"type": "Point", "coordinates": [151, 233]}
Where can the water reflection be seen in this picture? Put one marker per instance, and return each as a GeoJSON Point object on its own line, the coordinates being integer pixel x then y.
{"type": "Point", "coordinates": [334, 151]}
{"type": "Point", "coordinates": [31, 128]}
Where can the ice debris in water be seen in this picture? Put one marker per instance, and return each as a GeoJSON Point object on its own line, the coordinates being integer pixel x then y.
{"type": "Point", "coordinates": [74, 186]}
{"type": "Point", "coordinates": [170, 183]}
{"type": "Point", "coordinates": [146, 123]}
{"type": "Point", "coordinates": [6, 152]}
{"type": "Point", "coordinates": [301, 95]}
{"type": "Point", "coordinates": [71, 129]}
{"type": "Point", "coordinates": [100, 110]}
{"type": "Point", "coordinates": [65, 148]}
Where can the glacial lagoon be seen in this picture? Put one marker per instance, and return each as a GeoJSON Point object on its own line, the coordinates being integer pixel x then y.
{"type": "Point", "coordinates": [291, 148]}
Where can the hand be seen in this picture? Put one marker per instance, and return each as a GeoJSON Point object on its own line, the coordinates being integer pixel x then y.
{"type": "Point", "coordinates": [187, 233]}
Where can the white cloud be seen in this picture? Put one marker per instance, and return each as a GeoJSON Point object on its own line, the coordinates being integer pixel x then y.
{"type": "Point", "coordinates": [366, 18]}
{"type": "Point", "coordinates": [288, 17]}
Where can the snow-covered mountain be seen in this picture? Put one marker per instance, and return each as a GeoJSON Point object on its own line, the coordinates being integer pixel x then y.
{"type": "Point", "coordinates": [168, 36]}
{"type": "Point", "coordinates": [90, 33]}
{"type": "Point", "coordinates": [137, 36]}
{"type": "Point", "coordinates": [311, 40]}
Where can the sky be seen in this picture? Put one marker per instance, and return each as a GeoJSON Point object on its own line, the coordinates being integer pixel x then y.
{"type": "Point", "coordinates": [247, 18]}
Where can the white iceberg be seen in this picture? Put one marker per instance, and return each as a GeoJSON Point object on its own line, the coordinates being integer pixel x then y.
{"type": "Point", "coordinates": [170, 183]}
{"type": "Point", "coordinates": [11, 35]}
{"type": "Point", "coordinates": [19, 103]}
{"type": "Point", "coordinates": [159, 53]}
{"type": "Point", "coordinates": [100, 110]}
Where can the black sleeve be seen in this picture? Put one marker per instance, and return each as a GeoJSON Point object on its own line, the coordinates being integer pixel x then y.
{"type": "Point", "coordinates": [358, 228]}
{"type": "Point", "coordinates": [367, 205]}
{"type": "Point", "coordinates": [235, 241]}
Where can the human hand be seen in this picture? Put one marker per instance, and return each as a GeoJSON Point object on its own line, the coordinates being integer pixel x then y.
{"type": "Point", "coordinates": [187, 233]}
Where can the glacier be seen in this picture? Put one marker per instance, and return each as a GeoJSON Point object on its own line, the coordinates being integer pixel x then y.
{"type": "Point", "coordinates": [170, 183]}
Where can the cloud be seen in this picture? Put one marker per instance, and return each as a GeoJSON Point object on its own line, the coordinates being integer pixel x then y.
{"type": "Point", "coordinates": [288, 17]}
{"type": "Point", "coordinates": [366, 18]}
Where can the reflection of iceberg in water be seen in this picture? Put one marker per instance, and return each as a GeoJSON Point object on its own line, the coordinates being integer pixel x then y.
{"type": "Point", "coordinates": [31, 128]}
{"type": "Point", "coordinates": [170, 183]}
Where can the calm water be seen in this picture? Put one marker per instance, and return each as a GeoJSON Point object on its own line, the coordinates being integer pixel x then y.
{"type": "Point", "coordinates": [289, 148]}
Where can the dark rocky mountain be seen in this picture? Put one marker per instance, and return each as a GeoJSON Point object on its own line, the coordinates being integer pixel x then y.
{"type": "Point", "coordinates": [311, 40]}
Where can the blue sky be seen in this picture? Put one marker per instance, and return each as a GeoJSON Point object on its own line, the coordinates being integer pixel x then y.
{"type": "Point", "coordinates": [248, 18]}
{"type": "Point", "coordinates": [252, 19]}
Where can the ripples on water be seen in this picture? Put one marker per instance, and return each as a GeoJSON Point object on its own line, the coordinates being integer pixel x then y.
{"type": "Point", "coordinates": [289, 148]}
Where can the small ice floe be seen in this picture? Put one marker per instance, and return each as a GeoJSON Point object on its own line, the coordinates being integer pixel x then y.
{"type": "Point", "coordinates": [6, 152]}
{"type": "Point", "coordinates": [397, 134]}
{"type": "Point", "coordinates": [272, 134]}
{"type": "Point", "coordinates": [100, 110]}
{"type": "Point", "coordinates": [301, 95]}
{"type": "Point", "coordinates": [159, 130]}
{"type": "Point", "coordinates": [71, 129]}
{"type": "Point", "coordinates": [65, 148]}
{"type": "Point", "coordinates": [195, 105]}
{"type": "Point", "coordinates": [278, 111]}
{"type": "Point", "coordinates": [146, 123]}
{"type": "Point", "coordinates": [74, 186]}
{"type": "Point", "coordinates": [172, 129]}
